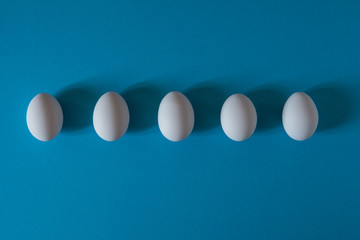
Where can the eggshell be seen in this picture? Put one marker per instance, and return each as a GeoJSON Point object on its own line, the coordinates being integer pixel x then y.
{"type": "Point", "coordinates": [176, 116]}
{"type": "Point", "coordinates": [300, 116]}
{"type": "Point", "coordinates": [238, 117]}
{"type": "Point", "coordinates": [111, 116]}
{"type": "Point", "coordinates": [44, 117]}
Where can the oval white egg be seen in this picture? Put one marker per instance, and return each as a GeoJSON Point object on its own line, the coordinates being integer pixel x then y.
{"type": "Point", "coordinates": [300, 116]}
{"type": "Point", "coordinates": [238, 117]}
{"type": "Point", "coordinates": [111, 116]}
{"type": "Point", "coordinates": [176, 116]}
{"type": "Point", "coordinates": [44, 117]}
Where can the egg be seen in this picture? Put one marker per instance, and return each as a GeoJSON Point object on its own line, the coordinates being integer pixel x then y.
{"type": "Point", "coordinates": [300, 116]}
{"type": "Point", "coordinates": [111, 116]}
{"type": "Point", "coordinates": [238, 117]}
{"type": "Point", "coordinates": [176, 116]}
{"type": "Point", "coordinates": [44, 117]}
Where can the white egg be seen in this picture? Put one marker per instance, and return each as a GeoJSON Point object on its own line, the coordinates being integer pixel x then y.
{"type": "Point", "coordinates": [44, 117]}
{"type": "Point", "coordinates": [300, 116]}
{"type": "Point", "coordinates": [238, 117]}
{"type": "Point", "coordinates": [176, 116]}
{"type": "Point", "coordinates": [111, 116]}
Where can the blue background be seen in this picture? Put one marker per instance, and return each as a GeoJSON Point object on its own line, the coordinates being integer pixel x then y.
{"type": "Point", "coordinates": [142, 186]}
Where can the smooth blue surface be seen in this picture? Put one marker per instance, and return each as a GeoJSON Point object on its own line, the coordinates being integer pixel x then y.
{"type": "Point", "coordinates": [206, 187]}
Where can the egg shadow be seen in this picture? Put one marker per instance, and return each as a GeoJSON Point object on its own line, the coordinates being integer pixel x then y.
{"type": "Point", "coordinates": [334, 105]}
{"type": "Point", "coordinates": [207, 100]}
{"type": "Point", "coordinates": [143, 101]}
{"type": "Point", "coordinates": [77, 103]}
{"type": "Point", "coordinates": [269, 101]}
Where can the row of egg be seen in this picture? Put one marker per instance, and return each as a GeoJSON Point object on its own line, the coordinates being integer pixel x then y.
{"type": "Point", "coordinates": [175, 117]}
